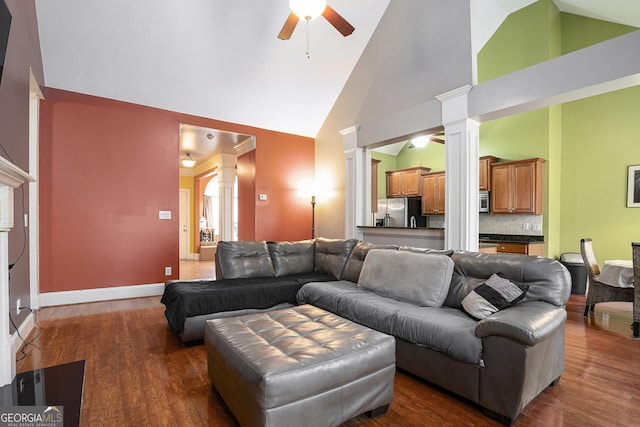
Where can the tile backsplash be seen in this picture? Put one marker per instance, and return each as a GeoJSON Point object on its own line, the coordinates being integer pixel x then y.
{"type": "Point", "coordinates": [529, 225]}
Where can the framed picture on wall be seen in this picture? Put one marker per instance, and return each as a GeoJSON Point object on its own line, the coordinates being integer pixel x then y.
{"type": "Point", "coordinates": [633, 187]}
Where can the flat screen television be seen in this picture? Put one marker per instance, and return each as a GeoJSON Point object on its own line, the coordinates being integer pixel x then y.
{"type": "Point", "coordinates": [5, 24]}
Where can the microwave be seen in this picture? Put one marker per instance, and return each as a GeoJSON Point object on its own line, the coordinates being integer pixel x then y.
{"type": "Point", "coordinates": [483, 201]}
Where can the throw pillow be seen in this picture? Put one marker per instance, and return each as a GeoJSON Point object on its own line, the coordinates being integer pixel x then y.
{"type": "Point", "coordinates": [495, 294]}
{"type": "Point", "coordinates": [356, 259]}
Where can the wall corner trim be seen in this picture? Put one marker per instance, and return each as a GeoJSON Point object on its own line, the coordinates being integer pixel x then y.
{"type": "Point", "coordinates": [49, 299]}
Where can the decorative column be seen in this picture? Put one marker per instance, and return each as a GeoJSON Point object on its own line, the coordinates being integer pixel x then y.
{"type": "Point", "coordinates": [226, 180]}
{"type": "Point", "coordinates": [461, 223]}
{"type": "Point", "coordinates": [11, 177]}
{"type": "Point", "coordinates": [358, 184]}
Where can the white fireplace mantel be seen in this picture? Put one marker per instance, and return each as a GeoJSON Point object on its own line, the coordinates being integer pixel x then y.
{"type": "Point", "coordinates": [11, 177]}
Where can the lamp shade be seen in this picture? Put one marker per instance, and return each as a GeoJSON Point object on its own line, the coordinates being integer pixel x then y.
{"type": "Point", "coordinates": [307, 9]}
{"type": "Point", "coordinates": [188, 162]}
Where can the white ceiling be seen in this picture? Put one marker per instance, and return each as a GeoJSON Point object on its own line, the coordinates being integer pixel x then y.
{"type": "Point", "coordinates": [222, 59]}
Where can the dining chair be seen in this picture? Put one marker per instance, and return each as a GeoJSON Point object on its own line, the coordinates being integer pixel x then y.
{"type": "Point", "coordinates": [597, 291]}
{"type": "Point", "coordinates": [635, 250]}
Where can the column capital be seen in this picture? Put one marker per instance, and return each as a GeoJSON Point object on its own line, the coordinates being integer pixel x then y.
{"type": "Point", "coordinates": [349, 138]}
{"type": "Point", "coordinates": [349, 130]}
{"type": "Point", "coordinates": [455, 105]}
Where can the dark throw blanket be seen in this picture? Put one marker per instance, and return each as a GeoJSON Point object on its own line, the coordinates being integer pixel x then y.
{"type": "Point", "coordinates": [192, 298]}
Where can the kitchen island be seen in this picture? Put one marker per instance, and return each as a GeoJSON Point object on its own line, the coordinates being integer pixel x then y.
{"type": "Point", "coordinates": [418, 237]}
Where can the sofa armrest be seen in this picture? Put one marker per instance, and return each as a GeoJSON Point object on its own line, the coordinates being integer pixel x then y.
{"type": "Point", "coordinates": [528, 322]}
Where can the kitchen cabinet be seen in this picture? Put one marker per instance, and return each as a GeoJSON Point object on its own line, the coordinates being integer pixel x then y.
{"type": "Point", "coordinates": [485, 172]}
{"type": "Point", "coordinates": [516, 187]}
{"type": "Point", "coordinates": [405, 182]}
{"type": "Point", "coordinates": [488, 248]}
{"type": "Point", "coordinates": [433, 193]}
{"type": "Point", "coordinates": [521, 248]}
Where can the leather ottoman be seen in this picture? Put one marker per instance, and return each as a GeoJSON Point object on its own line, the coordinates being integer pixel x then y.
{"type": "Point", "coordinates": [299, 366]}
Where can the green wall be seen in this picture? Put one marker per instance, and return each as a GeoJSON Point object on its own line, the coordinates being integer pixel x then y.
{"type": "Point", "coordinates": [527, 37]}
{"type": "Point", "coordinates": [600, 138]}
{"type": "Point", "coordinates": [578, 162]}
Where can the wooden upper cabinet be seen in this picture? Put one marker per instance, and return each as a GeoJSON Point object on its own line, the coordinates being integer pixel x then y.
{"type": "Point", "coordinates": [433, 193]}
{"type": "Point", "coordinates": [394, 184]}
{"type": "Point", "coordinates": [516, 187]}
{"type": "Point", "coordinates": [405, 182]}
{"type": "Point", "coordinates": [485, 172]}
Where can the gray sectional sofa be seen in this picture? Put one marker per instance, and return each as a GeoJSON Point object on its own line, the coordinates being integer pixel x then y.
{"type": "Point", "coordinates": [488, 327]}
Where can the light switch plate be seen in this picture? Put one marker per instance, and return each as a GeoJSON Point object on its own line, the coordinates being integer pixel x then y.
{"type": "Point", "coordinates": [164, 214]}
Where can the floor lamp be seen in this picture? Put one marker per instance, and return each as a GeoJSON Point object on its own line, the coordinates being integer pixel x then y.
{"type": "Point", "coordinates": [313, 217]}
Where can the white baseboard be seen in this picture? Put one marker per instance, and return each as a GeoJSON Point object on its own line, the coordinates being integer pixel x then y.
{"type": "Point", "coordinates": [25, 329]}
{"type": "Point", "coordinates": [49, 299]}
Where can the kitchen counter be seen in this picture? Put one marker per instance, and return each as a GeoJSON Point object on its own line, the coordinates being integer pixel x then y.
{"type": "Point", "coordinates": [420, 237]}
{"type": "Point", "coordinates": [510, 238]}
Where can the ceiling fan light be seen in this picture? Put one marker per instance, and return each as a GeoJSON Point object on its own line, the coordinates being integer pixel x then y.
{"type": "Point", "coordinates": [307, 9]}
{"type": "Point", "coordinates": [188, 162]}
{"type": "Point", "coordinates": [421, 142]}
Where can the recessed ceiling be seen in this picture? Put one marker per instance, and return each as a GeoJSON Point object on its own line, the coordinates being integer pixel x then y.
{"type": "Point", "coordinates": [203, 143]}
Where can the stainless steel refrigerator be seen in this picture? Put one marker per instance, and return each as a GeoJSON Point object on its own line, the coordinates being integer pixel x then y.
{"type": "Point", "coordinates": [401, 209]}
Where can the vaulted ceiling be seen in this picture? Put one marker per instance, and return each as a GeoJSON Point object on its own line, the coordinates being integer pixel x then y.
{"type": "Point", "coordinates": [222, 59]}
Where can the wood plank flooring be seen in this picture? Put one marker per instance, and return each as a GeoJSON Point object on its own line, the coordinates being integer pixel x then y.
{"type": "Point", "coordinates": [138, 373]}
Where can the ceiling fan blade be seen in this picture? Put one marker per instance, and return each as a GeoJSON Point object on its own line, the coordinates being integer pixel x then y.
{"type": "Point", "coordinates": [337, 21]}
{"type": "Point", "coordinates": [438, 137]}
{"type": "Point", "coordinates": [288, 27]}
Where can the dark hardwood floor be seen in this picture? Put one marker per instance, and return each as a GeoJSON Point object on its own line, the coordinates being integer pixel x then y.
{"type": "Point", "coordinates": [137, 373]}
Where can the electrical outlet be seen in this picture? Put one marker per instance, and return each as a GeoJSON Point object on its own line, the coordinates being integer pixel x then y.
{"type": "Point", "coordinates": [167, 271]}
{"type": "Point", "coordinates": [18, 305]}
{"type": "Point", "coordinates": [526, 226]}
{"type": "Point", "coordinates": [535, 227]}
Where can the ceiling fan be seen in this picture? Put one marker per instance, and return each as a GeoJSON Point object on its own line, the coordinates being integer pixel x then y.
{"type": "Point", "coordinates": [422, 141]}
{"type": "Point", "coordinates": [310, 9]}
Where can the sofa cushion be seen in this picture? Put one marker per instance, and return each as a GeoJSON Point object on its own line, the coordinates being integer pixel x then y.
{"type": "Point", "coordinates": [331, 255]}
{"type": "Point", "coordinates": [495, 294]}
{"type": "Point", "coordinates": [420, 279]}
{"type": "Point", "coordinates": [447, 252]}
{"type": "Point", "coordinates": [354, 264]}
{"type": "Point", "coordinates": [444, 329]}
{"type": "Point", "coordinates": [244, 259]}
{"type": "Point", "coordinates": [292, 257]}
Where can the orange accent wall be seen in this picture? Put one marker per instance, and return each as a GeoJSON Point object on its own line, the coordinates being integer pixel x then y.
{"type": "Point", "coordinates": [247, 196]}
{"type": "Point", "coordinates": [282, 165]}
{"type": "Point", "coordinates": [106, 169]}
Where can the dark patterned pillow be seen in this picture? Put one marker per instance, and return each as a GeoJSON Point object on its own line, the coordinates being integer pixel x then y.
{"type": "Point", "coordinates": [495, 294]}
